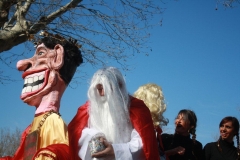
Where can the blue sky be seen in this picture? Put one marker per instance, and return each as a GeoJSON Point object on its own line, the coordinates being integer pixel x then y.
{"type": "Point", "coordinates": [195, 59]}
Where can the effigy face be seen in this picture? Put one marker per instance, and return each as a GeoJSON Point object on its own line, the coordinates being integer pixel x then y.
{"type": "Point", "coordinates": [41, 73]}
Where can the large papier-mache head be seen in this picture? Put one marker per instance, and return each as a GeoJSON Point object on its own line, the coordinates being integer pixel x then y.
{"type": "Point", "coordinates": [72, 54]}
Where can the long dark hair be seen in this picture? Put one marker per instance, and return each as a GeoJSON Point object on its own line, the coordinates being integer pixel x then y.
{"type": "Point", "coordinates": [191, 116]}
{"type": "Point", "coordinates": [235, 124]}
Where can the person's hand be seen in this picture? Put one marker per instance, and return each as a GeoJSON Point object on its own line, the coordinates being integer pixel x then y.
{"type": "Point", "coordinates": [179, 150]}
{"type": "Point", "coordinates": [107, 152]}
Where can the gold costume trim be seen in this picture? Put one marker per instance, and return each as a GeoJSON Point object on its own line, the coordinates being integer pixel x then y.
{"type": "Point", "coordinates": [45, 155]}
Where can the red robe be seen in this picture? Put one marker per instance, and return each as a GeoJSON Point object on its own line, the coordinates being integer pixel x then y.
{"type": "Point", "coordinates": [140, 117]}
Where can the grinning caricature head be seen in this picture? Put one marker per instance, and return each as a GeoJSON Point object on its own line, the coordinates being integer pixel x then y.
{"type": "Point", "coordinates": [50, 69]}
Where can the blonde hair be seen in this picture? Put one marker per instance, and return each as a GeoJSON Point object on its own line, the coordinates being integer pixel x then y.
{"type": "Point", "coordinates": [152, 96]}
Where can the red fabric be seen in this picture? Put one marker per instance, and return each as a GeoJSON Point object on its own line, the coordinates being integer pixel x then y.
{"type": "Point", "coordinates": [141, 120]}
{"type": "Point", "coordinates": [61, 151]}
{"type": "Point", "coordinates": [75, 128]}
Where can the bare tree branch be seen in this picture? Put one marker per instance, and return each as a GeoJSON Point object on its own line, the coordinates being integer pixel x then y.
{"type": "Point", "coordinates": [114, 30]}
{"type": "Point", "coordinates": [227, 3]}
{"type": "Point", "coordinates": [9, 141]}
{"type": "Point", "coordinates": [18, 33]}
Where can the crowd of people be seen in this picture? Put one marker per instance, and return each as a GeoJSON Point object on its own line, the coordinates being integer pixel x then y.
{"type": "Point", "coordinates": [179, 145]}
{"type": "Point", "coordinates": [111, 125]}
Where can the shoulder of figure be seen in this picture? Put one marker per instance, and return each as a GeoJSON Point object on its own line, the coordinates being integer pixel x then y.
{"type": "Point", "coordinates": [167, 136]}
{"type": "Point", "coordinates": [54, 116]}
{"type": "Point", "coordinates": [208, 145]}
{"type": "Point", "coordinates": [135, 100]}
{"type": "Point", "coordinates": [84, 106]}
{"type": "Point", "coordinates": [138, 104]}
{"type": "Point", "coordinates": [198, 144]}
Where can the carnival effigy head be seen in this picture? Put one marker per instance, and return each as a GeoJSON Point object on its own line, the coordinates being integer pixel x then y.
{"type": "Point", "coordinates": [51, 67]}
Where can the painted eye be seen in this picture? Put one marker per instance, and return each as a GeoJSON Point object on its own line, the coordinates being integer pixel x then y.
{"type": "Point", "coordinates": [40, 53]}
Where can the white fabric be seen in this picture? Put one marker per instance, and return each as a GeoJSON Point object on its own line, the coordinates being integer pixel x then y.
{"type": "Point", "coordinates": [87, 134]}
{"type": "Point", "coordinates": [132, 150]}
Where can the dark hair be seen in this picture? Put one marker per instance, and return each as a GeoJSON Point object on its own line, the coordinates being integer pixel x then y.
{"type": "Point", "coordinates": [191, 116]}
{"type": "Point", "coordinates": [72, 56]}
{"type": "Point", "coordinates": [234, 121]}
{"type": "Point", "coordinates": [236, 126]}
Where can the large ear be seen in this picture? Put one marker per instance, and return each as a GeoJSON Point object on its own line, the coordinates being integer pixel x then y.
{"type": "Point", "coordinates": [58, 61]}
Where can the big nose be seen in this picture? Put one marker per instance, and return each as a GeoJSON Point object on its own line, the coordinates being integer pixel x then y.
{"type": "Point", "coordinates": [23, 65]}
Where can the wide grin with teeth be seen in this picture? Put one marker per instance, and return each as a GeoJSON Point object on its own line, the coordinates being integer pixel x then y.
{"type": "Point", "coordinates": [33, 82]}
